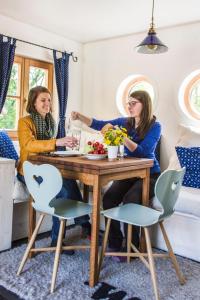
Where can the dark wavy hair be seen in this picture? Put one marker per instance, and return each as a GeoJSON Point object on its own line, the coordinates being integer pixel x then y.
{"type": "Point", "coordinates": [146, 118]}
{"type": "Point", "coordinates": [32, 96]}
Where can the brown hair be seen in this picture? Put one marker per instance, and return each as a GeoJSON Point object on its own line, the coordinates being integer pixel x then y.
{"type": "Point", "coordinates": [32, 96]}
{"type": "Point", "coordinates": [146, 117]}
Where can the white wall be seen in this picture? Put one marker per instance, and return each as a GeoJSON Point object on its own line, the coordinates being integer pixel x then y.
{"type": "Point", "coordinates": [108, 62]}
{"type": "Point", "coordinates": [36, 35]}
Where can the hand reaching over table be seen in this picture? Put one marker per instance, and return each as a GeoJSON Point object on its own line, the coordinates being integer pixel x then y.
{"type": "Point", "coordinates": [106, 128]}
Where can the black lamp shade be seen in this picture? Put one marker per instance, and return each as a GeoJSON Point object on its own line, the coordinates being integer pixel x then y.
{"type": "Point", "coordinates": [151, 45]}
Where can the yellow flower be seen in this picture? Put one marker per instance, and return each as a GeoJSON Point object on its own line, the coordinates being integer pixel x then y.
{"type": "Point", "coordinates": [107, 142]}
{"type": "Point", "coordinates": [115, 136]}
{"type": "Point", "coordinates": [117, 141]}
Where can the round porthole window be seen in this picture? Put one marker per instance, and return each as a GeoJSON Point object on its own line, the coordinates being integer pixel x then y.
{"type": "Point", "coordinates": [189, 95]}
{"type": "Point", "coordinates": [130, 84]}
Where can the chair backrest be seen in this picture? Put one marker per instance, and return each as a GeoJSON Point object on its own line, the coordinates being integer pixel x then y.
{"type": "Point", "coordinates": [167, 189]}
{"type": "Point", "coordinates": [44, 182]}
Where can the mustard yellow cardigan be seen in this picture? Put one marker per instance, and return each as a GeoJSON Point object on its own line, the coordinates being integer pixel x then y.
{"type": "Point", "coordinates": [28, 141]}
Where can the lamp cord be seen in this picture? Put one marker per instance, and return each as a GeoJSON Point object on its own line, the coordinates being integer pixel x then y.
{"type": "Point", "coordinates": [152, 19]}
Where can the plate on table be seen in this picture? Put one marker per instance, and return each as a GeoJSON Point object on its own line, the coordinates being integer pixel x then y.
{"type": "Point", "coordinates": [66, 153]}
{"type": "Point", "coordinates": [95, 156]}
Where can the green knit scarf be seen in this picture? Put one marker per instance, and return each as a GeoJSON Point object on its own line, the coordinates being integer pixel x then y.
{"type": "Point", "coordinates": [45, 128]}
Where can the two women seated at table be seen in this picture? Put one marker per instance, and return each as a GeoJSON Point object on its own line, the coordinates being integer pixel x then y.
{"type": "Point", "coordinates": [36, 134]}
{"type": "Point", "coordinates": [143, 135]}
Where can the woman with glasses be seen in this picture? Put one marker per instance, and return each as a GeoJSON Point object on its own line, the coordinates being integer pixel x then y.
{"type": "Point", "coordinates": [143, 135]}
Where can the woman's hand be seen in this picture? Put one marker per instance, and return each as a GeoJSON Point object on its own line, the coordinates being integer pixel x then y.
{"type": "Point", "coordinates": [130, 144]}
{"type": "Point", "coordinates": [106, 128]}
{"type": "Point", "coordinates": [74, 115]}
{"type": "Point", "coordinates": [77, 116]}
{"type": "Point", "coordinates": [68, 141]}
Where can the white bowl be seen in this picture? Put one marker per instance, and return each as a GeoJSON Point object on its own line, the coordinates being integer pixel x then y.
{"type": "Point", "coordinates": [95, 156]}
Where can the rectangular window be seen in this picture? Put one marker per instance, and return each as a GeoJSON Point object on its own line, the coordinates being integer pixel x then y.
{"type": "Point", "coordinates": [26, 73]}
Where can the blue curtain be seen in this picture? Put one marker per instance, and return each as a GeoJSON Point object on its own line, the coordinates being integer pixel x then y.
{"type": "Point", "coordinates": [61, 71]}
{"type": "Point", "coordinates": [7, 53]}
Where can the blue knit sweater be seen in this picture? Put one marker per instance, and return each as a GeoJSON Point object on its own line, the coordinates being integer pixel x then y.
{"type": "Point", "coordinates": [146, 146]}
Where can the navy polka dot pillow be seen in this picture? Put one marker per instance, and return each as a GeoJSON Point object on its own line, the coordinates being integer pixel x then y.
{"type": "Point", "coordinates": [190, 158]}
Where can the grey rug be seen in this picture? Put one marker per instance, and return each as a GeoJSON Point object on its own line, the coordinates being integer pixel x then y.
{"type": "Point", "coordinates": [117, 280]}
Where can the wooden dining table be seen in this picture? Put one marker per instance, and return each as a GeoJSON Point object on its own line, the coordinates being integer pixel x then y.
{"type": "Point", "coordinates": [96, 173]}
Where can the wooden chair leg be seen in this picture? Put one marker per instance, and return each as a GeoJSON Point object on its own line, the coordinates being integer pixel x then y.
{"type": "Point", "coordinates": [151, 263]}
{"type": "Point", "coordinates": [57, 254]}
{"type": "Point", "coordinates": [142, 246]}
{"type": "Point", "coordinates": [172, 256]}
{"type": "Point", "coordinates": [32, 222]}
{"type": "Point", "coordinates": [30, 244]}
{"type": "Point", "coordinates": [129, 238]}
{"type": "Point", "coordinates": [103, 249]}
{"type": "Point", "coordinates": [64, 230]}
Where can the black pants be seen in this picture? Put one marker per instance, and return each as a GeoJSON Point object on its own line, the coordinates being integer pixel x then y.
{"type": "Point", "coordinates": [125, 191]}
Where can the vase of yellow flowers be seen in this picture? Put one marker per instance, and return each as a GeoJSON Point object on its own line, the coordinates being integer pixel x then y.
{"type": "Point", "coordinates": [113, 138]}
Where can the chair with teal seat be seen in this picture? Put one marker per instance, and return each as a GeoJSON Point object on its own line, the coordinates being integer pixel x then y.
{"type": "Point", "coordinates": [44, 182]}
{"type": "Point", "coordinates": [167, 189]}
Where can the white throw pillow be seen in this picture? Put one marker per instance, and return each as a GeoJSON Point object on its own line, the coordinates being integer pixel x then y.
{"type": "Point", "coordinates": [20, 191]}
{"type": "Point", "coordinates": [189, 137]}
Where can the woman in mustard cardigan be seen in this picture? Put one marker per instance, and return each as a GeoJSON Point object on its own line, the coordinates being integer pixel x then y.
{"type": "Point", "coordinates": [36, 134]}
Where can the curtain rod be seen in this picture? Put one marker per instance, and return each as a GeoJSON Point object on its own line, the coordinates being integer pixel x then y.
{"type": "Point", "coordinates": [74, 58]}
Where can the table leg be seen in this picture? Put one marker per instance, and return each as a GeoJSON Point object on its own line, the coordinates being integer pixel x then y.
{"type": "Point", "coordinates": [85, 193]}
{"type": "Point", "coordinates": [145, 202]}
{"type": "Point", "coordinates": [95, 230]}
{"type": "Point", "coordinates": [32, 222]}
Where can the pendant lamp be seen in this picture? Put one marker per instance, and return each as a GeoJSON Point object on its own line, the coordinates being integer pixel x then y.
{"type": "Point", "coordinates": [151, 44]}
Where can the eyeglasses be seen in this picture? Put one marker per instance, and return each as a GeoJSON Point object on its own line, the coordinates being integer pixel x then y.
{"type": "Point", "coordinates": [132, 103]}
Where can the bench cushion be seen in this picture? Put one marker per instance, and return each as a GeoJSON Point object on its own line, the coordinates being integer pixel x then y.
{"type": "Point", "coordinates": [188, 202]}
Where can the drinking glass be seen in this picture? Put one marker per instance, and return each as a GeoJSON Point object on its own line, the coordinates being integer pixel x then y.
{"type": "Point", "coordinates": [76, 133]}
{"type": "Point", "coordinates": [121, 151]}
{"type": "Point", "coordinates": [68, 125]}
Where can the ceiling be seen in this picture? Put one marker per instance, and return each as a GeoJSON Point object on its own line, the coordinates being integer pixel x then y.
{"type": "Point", "coordinates": [91, 20]}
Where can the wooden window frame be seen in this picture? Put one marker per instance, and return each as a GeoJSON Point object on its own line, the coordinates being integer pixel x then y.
{"type": "Point", "coordinates": [128, 88]}
{"type": "Point", "coordinates": [187, 97]}
{"type": "Point", "coordinates": [19, 60]}
{"type": "Point", "coordinates": [25, 64]}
